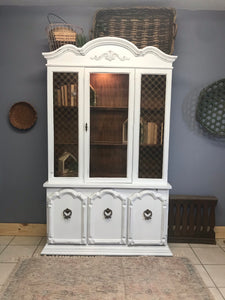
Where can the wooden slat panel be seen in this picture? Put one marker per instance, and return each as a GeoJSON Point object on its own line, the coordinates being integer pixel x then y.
{"type": "Point", "coordinates": [171, 221]}
{"type": "Point", "coordinates": [192, 221]}
{"type": "Point", "coordinates": [206, 217]}
{"type": "Point", "coordinates": [185, 220]}
{"type": "Point", "coordinates": [198, 218]}
{"type": "Point", "coordinates": [177, 220]}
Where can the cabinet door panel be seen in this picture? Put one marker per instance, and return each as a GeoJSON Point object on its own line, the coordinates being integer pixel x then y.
{"type": "Point", "coordinates": [152, 112]}
{"type": "Point", "coordinates": [107, 218]}
{"type": "Point", "coordinates": [65, 103]}
{"type": "Point", "coordinates": [67, 211]}
{"type": "Point", "coordinates": [109, 98]}
{"type": "Point", "coordinates": [146, 218]}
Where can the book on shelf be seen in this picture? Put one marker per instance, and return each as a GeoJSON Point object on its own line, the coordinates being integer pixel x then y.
{"type": "Point", "coordinates": [161, 136]}
{"type": "Point", "coordinates": [59, 99]}
{"type": "Point", "coordinates": [62, 96]}
{"type": "Point", "coordinates": [150, 133]}
{"type": "Point", "coordinates": [67, 95]}
{"type": "Point", "coordinates": [73, 95]}
{"type": "Point", "coordinates": [92, 96]}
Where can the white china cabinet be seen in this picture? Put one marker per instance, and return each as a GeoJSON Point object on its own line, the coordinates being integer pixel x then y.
{"type": "Point", "coordinates": [108, 140]}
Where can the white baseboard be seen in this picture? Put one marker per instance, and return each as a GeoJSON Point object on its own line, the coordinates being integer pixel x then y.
{"type": "Point", "coordinates": [106, 250]}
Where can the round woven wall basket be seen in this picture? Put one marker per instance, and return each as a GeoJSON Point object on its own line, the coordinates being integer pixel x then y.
{"type": "Point", "coordinates": [211, 108]}
{"type": "Point", "coordinates": [22, 115]}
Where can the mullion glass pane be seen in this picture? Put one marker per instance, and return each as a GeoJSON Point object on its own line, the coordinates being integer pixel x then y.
{"type": "Point", "coordinates": [108, 124]}
{"type": "Point", "coordinates": [152, 111]}
{"type": "Point", "coordinates": [65, 95]}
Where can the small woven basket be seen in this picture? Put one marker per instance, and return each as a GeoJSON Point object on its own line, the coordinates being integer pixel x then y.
{"type": "Point", "coordinates": [61, 33]}
{"type": "Point", "coordinates": [148, 26]}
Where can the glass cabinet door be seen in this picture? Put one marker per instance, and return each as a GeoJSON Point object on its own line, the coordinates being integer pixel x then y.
{"type": "Point", "coordinates": [152, 112]}
{"type": "Point", "coordinates": [65, 103]}
{"type": "Point", "coordinates": [109, 94]}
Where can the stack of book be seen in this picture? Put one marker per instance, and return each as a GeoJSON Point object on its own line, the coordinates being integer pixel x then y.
{"type": "Point", "coordinates": [66, 95]}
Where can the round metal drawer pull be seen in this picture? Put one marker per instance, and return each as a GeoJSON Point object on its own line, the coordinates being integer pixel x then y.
{"type": "Point", "coordinates": [67, 213]}
{"type": "Point", "coordinates": [108, 213]}
{"type": "Point", "coordinates": [147, 214]}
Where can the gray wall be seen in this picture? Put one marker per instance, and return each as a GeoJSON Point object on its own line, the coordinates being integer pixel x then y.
{"type": "Point", "coordinates": [196, 161]}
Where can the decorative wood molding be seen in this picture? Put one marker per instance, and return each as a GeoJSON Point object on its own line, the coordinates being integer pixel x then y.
{"type": "Point", "coordinates": [62, 50]}
{"type": "Point", "coordinates": [22, 229]}
{"type": "Point", "coordinates": [109, 41]}
{"type": "Point", "coordinates": [101, 193]}
{"type": "Point", "coordinates": [51, 240]}
{"type": "Point", "coordinates": [59, 194]}
{"type": "Point", "coordinates": [140, 195]}
{"type": "Point", "coordinates": [110, 55]}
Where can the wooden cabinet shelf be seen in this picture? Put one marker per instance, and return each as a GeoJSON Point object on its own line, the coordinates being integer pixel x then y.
{"type": "Point", "coordinates": [151, 145]}
{"type": "Point", "coordinates": [108, 108]}
{"type": "Point", "coordinates": [66, 107]}
{"type": "Point", "coordinates": [99, 144]}
{"type": "Point", "coordinates": [66, 143]}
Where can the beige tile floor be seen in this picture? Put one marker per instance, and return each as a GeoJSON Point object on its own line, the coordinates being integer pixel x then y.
{"type": "Point", "coordinates": [209, 260]}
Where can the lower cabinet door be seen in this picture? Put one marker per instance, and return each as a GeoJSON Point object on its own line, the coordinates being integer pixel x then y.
{"type": "Point", "coordinates": [67, 217]}
{"type": "Point", "coordinates": [147, 211]}
{"type": "Point", "coordinates": [107, 215]}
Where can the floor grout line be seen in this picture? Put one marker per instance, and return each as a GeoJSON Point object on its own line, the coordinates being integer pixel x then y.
{"type": "Point", "coordinates": [196, 256]}
{"type": "Point", "coordinates": [221, 293]}
{"type": "Point", "coordinates": [4, 247]}
{"type": "Point", "coordinates": [6, 244]}
{"type": "Point", "coordinates": [218, 292]}
{"type": "Point", "coordinates": [35, 250]}
{"type": "Point", "coordinates": [12, 239]}
{"type": "Point", "coordinates": [210, 276]}
{"type": "Point", "coordinates": [214, 264]}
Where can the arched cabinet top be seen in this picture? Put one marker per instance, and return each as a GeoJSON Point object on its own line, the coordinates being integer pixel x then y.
{"type": "Point", "coordinates": [59, 194]}
{"type": "Point", "coordinates": [100, 194]}
{"type": "Point", "coordinates": [109, 52]}
{"type": "Point", "coordinates": [139, 195]}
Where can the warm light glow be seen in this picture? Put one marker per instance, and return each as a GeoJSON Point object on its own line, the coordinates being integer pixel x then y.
{"type": "Point", "coordinates": [103, 75]}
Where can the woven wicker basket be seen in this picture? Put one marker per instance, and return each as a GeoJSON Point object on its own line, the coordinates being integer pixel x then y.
{"type": "Point", "coordinates": [61, 33]}
{"type": "Point", "coordinates": [210, 110]}
{"type": "Point", "coordinates": [147, 26]}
